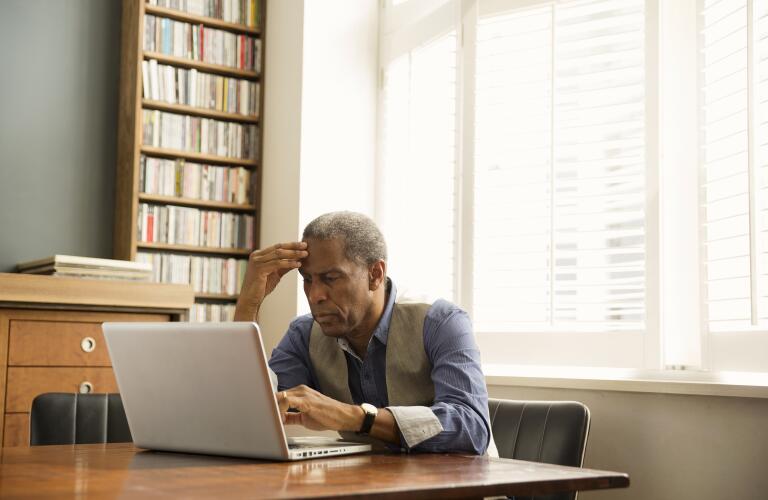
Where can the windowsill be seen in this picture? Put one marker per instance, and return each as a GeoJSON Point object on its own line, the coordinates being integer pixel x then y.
{"type": "Point", "coordinates": [701, 383]}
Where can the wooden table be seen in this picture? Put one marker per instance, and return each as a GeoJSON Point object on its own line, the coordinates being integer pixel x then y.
{"type": "Point", "coordinates": [114, 470]}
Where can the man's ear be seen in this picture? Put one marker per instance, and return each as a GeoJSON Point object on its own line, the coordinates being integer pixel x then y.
{"type": "Point", "coordinates": [377, 274]}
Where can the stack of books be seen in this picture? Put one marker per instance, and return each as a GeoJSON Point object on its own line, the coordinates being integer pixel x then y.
{"type": "Point", "coordinates": [88, 267]}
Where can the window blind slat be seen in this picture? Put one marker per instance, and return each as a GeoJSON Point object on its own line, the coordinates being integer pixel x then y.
{"type": "Point", "coordinates": [725, 159]}
{"type": "Point", "coordinates": [585, 265]}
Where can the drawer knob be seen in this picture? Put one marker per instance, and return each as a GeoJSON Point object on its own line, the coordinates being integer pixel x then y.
{"type": "Point", "coordinates": [86, 388]}
{"type": "Point", "coordinates": [88, 344]}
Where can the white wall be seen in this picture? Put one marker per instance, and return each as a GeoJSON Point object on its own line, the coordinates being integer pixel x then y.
{"type": "Point", "coordinates": [320, 126]}
{"type": "Point", "coordinates": [281, 155]}
{"type": "Point", "coordinates": [672, 446]}
{"type": "Point", "coordinates": [339, 107]}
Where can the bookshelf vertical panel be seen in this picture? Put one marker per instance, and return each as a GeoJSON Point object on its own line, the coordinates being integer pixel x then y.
{"type": "Point", "coordinates": [128, 130]}
{"type": "Point", "coordinates": [256, 190]}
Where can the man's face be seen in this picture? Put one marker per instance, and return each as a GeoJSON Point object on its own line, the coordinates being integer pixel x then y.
{"type": "Point", "coordinates": [337, 288]}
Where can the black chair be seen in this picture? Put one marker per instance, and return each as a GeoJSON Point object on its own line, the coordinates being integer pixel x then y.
{"type": "Point", "coordinates": [553, 432]}
{"type": "Point", "coordinates": [63, 418]}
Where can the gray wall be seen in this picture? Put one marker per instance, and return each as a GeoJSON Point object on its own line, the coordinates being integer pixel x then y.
{"type": "Point", "coordinates": [673, 446]}
{"type": "Point", "coordinates": [59, 69]}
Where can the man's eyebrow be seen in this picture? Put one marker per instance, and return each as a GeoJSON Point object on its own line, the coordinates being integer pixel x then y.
{"type": "Point", "coordinates": [331, 271]}
{"type": "Point", "coordinates": [325, 272]}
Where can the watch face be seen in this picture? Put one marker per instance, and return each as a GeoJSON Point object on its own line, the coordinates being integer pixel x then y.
{"type": "Point", "coordinates": [369, 408]}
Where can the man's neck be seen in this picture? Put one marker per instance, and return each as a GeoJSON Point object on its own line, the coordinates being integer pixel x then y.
{"type": "Point", "coordinates": [360, 339]}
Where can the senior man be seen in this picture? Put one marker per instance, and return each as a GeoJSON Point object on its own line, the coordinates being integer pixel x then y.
{"type": "Point", "coordinates": [407, 374]}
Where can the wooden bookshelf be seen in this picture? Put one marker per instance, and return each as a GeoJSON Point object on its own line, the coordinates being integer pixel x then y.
{"type": "Point", "coordinates": [201, 66]}
{"type": "Point", "coordinates": [131, 148]}
{"type": "Point", "coordinates": [194, 249]}
{"type": "Point", "coordinates": [198, 157]}
{"type": "Point", "coordinates": [215, 296]}
{"type": "Point", "coordinates": [194, 19]}
{"type": "Point", "coordinates": [192, 202]}
{"type": "Point", "coordinates": [189, 110]}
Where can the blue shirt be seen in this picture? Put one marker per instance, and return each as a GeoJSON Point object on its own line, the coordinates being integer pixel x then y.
{"type": "Point", "coordinates": [461, 398]}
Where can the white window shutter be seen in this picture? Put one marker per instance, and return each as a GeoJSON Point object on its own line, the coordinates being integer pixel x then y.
{"type": "Point", "coordinates": [560, 168]}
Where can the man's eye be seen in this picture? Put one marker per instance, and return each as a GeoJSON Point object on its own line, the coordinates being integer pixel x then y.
{"type": "Point", "coordinates": [329, 279]}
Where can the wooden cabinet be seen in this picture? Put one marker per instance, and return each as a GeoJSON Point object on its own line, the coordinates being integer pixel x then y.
{"type": "Point", "coordinates": [51, 339]}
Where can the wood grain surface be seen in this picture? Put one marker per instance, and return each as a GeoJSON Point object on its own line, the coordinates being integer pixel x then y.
{"type": "Point", "coordinates": [120, 470]}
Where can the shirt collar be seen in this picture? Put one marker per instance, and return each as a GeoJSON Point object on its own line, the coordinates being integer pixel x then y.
{"type": "Point", "coordinates": [381, 332]}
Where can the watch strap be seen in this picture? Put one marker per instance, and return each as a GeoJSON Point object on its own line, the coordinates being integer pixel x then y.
{"type": "Point", "coordinates": [368, 419]}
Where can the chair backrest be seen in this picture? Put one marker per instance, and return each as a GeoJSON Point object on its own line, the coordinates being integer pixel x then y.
{"type": "Point", "coordinates": [64, 418]}
{"type": "Point", "coordinates": [553, 432]}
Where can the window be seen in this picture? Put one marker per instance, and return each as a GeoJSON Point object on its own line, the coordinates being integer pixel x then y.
{"type": "Point", "coordinates": [734, 146]}
{"type": "Point", "coordinates": [559, 170]}
{"type": "Point", "coordinates": [734, 182]}
{"type": "Point", "coordinates": [419, 143]}
{"type": "Point", "coordinates": [588, 178]}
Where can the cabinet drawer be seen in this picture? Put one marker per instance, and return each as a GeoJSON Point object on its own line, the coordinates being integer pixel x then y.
{"type": "Point", "coordinates": [56, 343]}
{"type": "Point", "coordinates": [26, 383]}
{"type": "Point", "coordinates": [16, 429]}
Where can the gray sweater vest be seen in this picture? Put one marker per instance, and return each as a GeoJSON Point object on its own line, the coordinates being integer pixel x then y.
{"type": "Point", "coordinates": [409, 381]}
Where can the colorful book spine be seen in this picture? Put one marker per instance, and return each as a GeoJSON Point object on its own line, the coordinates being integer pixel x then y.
{"type": "Point", "coordinates": [175, 225]}
{"type": "Point", "coordinates": [175, 38]}
{"type": "Point", "coordinates": [200, 135]}
{"type": "Point", "coordinates": [207, 275]}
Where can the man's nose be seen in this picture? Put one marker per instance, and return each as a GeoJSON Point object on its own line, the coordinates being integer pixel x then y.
{"type": "Point", "coordinates": [316, 293]}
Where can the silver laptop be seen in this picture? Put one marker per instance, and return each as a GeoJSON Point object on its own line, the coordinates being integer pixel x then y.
{"type": "Point", "coordinates": [205, 388]}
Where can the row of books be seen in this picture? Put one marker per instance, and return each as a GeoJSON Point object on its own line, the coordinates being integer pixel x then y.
{"type": "Point", "coordinates": [176, 225]}
{"type": "Point", "coordinates": [202, 313]}
{"type": "Point", "coordinates": [200, 135]}
{"type": "Point", "coordinates": [206, 274]}
{"type": "Point", "coordinates": [233, 11]}
{"type": "Point", "coordinates": [200, 43]}
{"type": "Point", "coordinates": [194, 180]}
{"type": "Point", "coordinates": [202, 90]}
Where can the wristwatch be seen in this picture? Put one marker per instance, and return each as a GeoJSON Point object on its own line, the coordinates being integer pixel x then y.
{"type": "Point", "coordinates": [370, 415]}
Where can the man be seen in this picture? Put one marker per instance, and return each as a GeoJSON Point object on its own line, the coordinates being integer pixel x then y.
{"type": "Point", "coordinates": [406, 374]}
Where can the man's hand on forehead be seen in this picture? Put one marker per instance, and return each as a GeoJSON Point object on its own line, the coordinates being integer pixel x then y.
{"type": "Point", "coordinates": [265, 268]}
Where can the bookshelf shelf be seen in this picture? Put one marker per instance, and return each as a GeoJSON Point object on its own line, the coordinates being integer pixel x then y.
{"type": "Point", "coordinates": [194, 249]}
{"type": "Point", "coordinates": [191, 110]}
{"type": "Point", "coordinates": [202, 66]}
{"type": "Point", "coordinates": [199, 157]}
{"type": "Point", "coordinates": [193, 202]}
{"type": "Point", "coordinates": [137, 212]}
{"type": "Point", "coordinates": [215, 296]}
{"type": "Point", "coordinates": [194, 19]}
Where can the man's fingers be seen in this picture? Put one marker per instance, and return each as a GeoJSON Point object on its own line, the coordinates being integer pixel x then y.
{"type": "Point", "coordinates": [278, 266]}
{"type": "Point", "coordinates": [295, 403]}
{"type": "Point", "coordinates": [292, 418]}
{"type": "Point", "coordinates": [278, 254]}
{"type": "Point", "coordinates": [294, 246]}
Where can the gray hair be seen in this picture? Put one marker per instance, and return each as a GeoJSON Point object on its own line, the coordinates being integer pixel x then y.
{"type": "Point", "coordinates": [363, 241]}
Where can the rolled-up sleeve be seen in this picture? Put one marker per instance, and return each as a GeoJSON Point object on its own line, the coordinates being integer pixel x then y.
{"type": "Point", "coordinates": [458, 419]}
{"type": "Point", "coordinates": [416, 424]}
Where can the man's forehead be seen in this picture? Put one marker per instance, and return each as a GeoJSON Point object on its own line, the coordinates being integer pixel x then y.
{"type": "Point", "coordinates": [325, 256]}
